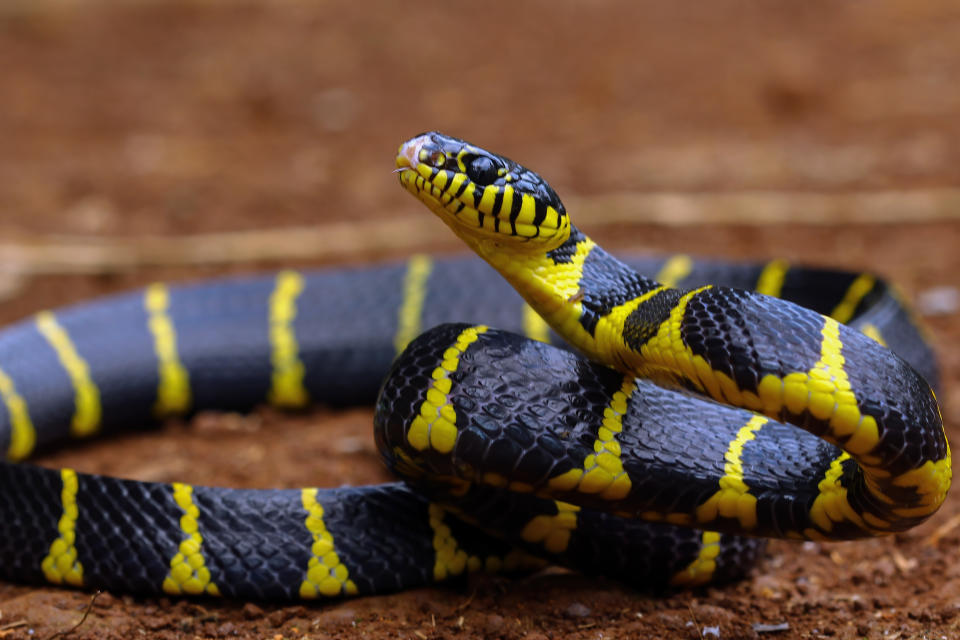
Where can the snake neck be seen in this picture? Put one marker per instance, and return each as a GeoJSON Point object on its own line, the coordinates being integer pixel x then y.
{"type": "Point", "coordinates": [576, 287]}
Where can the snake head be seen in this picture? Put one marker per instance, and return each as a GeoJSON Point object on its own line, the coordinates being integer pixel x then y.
{"type": "Point", "coordinates": [482, 196]}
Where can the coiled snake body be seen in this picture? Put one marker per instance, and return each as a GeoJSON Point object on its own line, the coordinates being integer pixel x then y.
{"type": "Point", "coordinates": [752, 415]}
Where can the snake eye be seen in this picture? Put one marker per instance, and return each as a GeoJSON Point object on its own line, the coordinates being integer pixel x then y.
{"type": "Point", "coordinates": [483, 170]}
{"type": "Point", "coordinates": [436, 158]}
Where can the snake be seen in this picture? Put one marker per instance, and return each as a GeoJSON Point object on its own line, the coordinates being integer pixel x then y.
{"type": "Point", "coordinates": [652, 420]}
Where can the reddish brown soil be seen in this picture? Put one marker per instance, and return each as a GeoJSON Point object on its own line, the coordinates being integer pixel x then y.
{"type": "Point", "coordinates": [123, 119]}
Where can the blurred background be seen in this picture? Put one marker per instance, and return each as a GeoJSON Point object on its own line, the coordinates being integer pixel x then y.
{"type": "Point", "coordinates": [128, 119]}
{"type": "Point", "coordinates": [179, 139]}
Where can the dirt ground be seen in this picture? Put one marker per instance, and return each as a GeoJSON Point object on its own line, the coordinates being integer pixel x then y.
{"type": "Point", "coordinates": [823, 132]}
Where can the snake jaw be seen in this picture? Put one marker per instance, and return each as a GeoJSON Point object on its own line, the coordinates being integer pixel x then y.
{"type": "Point", "coordinates": [481, 196]}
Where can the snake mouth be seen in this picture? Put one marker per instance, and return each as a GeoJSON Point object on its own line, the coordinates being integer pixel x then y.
{"type": "Point", "coordinates": [480, 194]}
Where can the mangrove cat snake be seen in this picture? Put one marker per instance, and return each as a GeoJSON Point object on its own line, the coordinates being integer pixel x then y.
{"type": "Point", "coordinates": [711, 406]}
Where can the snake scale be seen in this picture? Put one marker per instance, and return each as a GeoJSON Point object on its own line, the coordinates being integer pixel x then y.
{"type": "Point", "coordinates": [744, 400]}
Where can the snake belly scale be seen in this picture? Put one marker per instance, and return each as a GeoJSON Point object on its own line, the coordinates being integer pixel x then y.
{"type": "Point", "coordinates": [703, 403]}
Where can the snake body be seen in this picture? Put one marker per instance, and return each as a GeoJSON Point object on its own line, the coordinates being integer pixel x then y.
{"type": "Point", "coordinates": [513, 450]}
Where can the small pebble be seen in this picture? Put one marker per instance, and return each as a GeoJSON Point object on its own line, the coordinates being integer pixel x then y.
{"type": "Point", "coordinates": [577, 610]}
{"type": "Point", "coordinates": [252, 611]}
{"type": "Point", "coordinates": [337, 618]}
{"type": "Point", "coordinates": [104, 601]}
{"type": "Point", "coordinates": [939, 301]}
{"type": "Point", "coordinates": [771, 628]}
{"type": "Point", "coordinates": [278, 617]}
{"type": "Point", "coordinates": [493, 624]}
